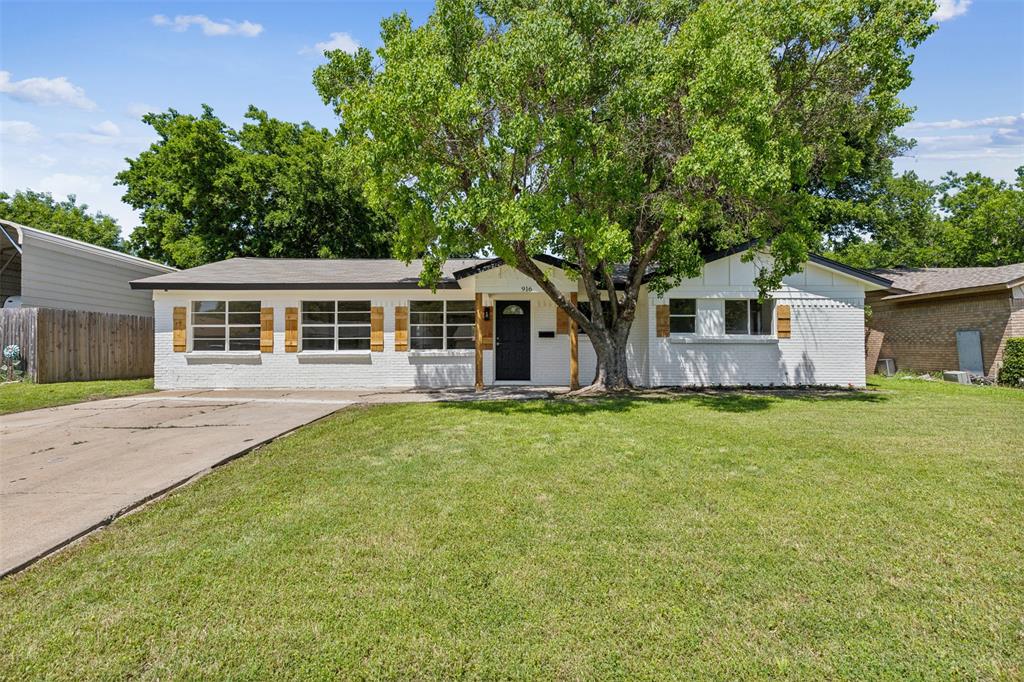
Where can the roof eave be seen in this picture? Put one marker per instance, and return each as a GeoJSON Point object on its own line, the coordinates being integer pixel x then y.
{"type": "Point", "coordinates": [147, 284]}
{"type": "Point", "coordinates": [950, 293]}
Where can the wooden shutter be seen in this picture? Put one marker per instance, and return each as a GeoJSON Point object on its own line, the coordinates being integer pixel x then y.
{"type": "Point", "coordinates": [661, 320]}
{"type": "Point", "coordinates": [561, 321]}
{"type": "Point", "coordinates": [783, 323]}
{"type": "Point", "coordinates": [487, 328]}
{"type": "Point", "coordinates": [291, 330]}
{"type": "Point", "coordinates": [180, 336]}
{"type": "Point", "coordinates": [266, 330]}
{"type": "Point", "coordinates": [377, 329]}
{"type": "Point", "coordinates": [401, 328]}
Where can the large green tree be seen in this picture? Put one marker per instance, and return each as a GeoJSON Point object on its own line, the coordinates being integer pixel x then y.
{"type": "Point", "coordinates": [208, 192]}
{"type": "Point", "coordinates": [68, 217]}
{"type": "Point", "coordinates": [636, 133]}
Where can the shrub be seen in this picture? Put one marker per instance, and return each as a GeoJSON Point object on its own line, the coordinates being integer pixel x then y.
{"type": "Point", "coordinates": [1012, 371]}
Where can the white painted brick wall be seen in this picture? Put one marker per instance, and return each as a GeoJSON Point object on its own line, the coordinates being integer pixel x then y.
{"type": "Point", "coordinates": [298, 370]}
{"type": "Point", "coordinates": [549, 357]}
{"type": "Point", "coordinates": [826, 348]}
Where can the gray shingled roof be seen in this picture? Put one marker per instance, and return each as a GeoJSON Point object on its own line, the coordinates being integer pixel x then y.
{"type": "Point", "coordinates": [381, 273]}
{"type": "Point", "coordinates": [304, 273]}
{"type": "Point", "coordinates": [923, 281]}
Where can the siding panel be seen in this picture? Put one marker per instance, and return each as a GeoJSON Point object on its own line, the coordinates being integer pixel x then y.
{"type": "Point", "coordinates": [58, 276]}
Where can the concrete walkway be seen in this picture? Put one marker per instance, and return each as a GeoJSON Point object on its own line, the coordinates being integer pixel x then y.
{"type": "Point", "coordinates": [65, 471]}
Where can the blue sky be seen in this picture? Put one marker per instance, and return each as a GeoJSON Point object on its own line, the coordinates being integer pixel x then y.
{"type": "Point", "coordinates": [76, 76]}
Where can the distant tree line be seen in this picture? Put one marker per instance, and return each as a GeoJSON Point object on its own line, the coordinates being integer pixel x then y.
{"type": "Point", "coordinates": [903, 220]}
{"type": "Point", "coordinates": [271, 189]}
{"type": "Point", "coordinates": [67, 218]}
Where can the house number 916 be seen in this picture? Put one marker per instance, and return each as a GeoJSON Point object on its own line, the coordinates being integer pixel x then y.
{"type": "Point", "coordinates": [527, 289]}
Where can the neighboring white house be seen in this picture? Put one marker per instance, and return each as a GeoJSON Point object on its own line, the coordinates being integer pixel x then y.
{"type": "Point", "coordinates": [282, 323]}
{"type": "Point", "coordinates": [40, 269]}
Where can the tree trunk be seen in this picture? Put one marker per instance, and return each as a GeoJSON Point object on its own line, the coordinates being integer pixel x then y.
{"type": "Point", "coordinates": [612, 368]}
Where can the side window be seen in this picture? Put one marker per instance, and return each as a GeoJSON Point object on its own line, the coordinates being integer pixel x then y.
{"type": "Point", "coordinates": [225, 325]}
{"type": "Point", "coordinates": [748, 316]}
{"type": "Point", "coordinates": [682, 315]}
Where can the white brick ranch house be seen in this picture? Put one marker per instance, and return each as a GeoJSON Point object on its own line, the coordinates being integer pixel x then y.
{"type": "Point", "coordinates": [293, 323]}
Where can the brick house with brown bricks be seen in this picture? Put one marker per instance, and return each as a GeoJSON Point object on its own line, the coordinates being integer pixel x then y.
{"type": "Point", "coordinates": [935, 319]}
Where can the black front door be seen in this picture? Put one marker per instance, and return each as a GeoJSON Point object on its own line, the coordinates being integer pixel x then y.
{"type": "Point", "coordinates": [512, 354]}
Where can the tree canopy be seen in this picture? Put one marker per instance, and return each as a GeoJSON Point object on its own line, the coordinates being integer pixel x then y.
{"type": "Point", "coordinates": [963, 221]}
{"type": "Point", "coordinates": [68, 217]}
{"type": "Point", "coordinates": [208, 192]}
{"type": "Point", "coordinates": [638, 133]}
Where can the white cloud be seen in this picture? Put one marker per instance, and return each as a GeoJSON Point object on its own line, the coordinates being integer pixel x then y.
{"type": "Point", "coordinates": [957, 124]}
{"type": "Point", "coordinates": [106, 134]}
{"type": "Point", "coordinates": [140, 109]}
{"type": "Point", "coordinates": [107, 129]}
{"type": "Point", "coordinates": [46, 91]}
{"type": "Point", "coordinates": [63, 166]}
{"type": "Point", "coordinates": [18, 132]}
{"type": "Point", "coordinates": [209, 27]}
{"type": "Point", "coordinates": [994, 137]}
{"type": "Point", "coordinates": [105, 140]}
{"type": "Point", "coordinates": [63, 184]}
{"type": "Point", "coordinates": [42, 160]}
{"type": "Point", "coordinates": [949, 9]}
{"type": "Point", "coordinates": [929, 143]}
{"type": "Point", "coordinates": [339, 41]}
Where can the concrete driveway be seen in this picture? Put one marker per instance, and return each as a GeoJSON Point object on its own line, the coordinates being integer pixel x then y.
{"type": "Point", "coordinates": [67, 470]}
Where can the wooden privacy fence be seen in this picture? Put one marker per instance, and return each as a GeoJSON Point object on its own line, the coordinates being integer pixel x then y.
{"type": "Point", "coordinates": [76, 345]}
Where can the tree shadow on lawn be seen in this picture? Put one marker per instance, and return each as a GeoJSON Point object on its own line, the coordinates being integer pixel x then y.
{"type": "Point", "coordinates": [732, 400]}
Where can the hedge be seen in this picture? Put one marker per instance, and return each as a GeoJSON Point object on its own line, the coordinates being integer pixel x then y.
{"type": "Point", "coordinates": [1012, 371]}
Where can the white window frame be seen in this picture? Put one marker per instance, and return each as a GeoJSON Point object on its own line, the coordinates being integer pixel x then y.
{"type": "Point", "coordinates": [696, 310]}
{"type": "Point", "coordinates": [444, 324]}
{"type": "Point", "coordinates": [226, 325]}
{"type": "Point", "coordinates": [335, 325]}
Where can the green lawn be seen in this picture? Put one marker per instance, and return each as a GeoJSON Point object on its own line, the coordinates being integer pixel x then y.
{"type": "Point", "coordinates": [21, 396]}
{"type": "Point", "coordinates": [858, 535]}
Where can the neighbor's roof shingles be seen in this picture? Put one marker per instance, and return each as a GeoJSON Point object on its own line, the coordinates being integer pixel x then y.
{"type": "Point", "coordinates": [914, 282]}
{"type": "Point", "coordinates": [305, 273]}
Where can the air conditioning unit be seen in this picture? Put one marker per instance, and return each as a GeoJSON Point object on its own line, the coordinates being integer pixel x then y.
{"type": "Point", "coordinates": [886, 367]}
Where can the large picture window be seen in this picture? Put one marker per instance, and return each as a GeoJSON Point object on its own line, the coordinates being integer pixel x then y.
{"type": "Point", "coordinates": [442, 325]}
{"type": "Point", "coordinates": [335, 325]}
{"type": "Point", "coordinates": [225, 325]}
{"type": "Point", "coordinates": [748, 316]}
{"type": "Point", "coordinates": [682, 315]}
